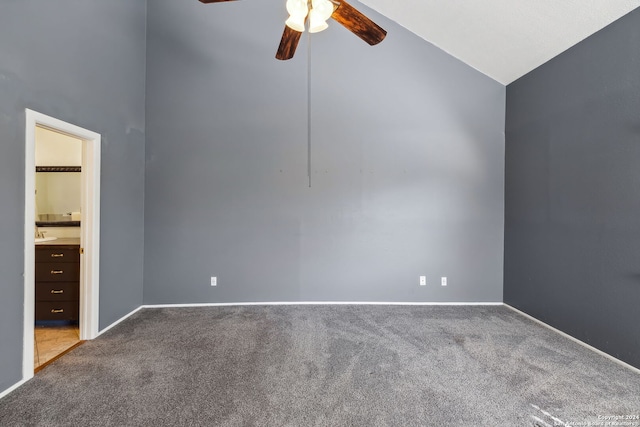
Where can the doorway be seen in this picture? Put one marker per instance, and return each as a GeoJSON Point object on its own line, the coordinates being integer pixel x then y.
{"type": "Point", "coordinates": [57, 239]}
{"type": "Point", "coordinates": [89, 235]}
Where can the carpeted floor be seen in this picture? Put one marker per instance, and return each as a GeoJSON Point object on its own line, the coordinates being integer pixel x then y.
{"type": "Point", "coordinates": [326, 366]}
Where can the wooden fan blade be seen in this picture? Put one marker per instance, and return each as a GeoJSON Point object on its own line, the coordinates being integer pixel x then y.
{"type": "Point", "coordinates": [213, 1]}
{"type": "Point", "coordinates": [288, 44]}
{"type": "Point", "coordinates": [358, 24]}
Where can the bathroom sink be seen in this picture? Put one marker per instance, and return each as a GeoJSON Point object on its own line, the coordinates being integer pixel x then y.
{"type": "Point", "coordinates": [45, 239]}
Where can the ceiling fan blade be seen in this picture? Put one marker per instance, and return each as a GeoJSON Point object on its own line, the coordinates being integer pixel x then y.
{"type": "Point", "coordinates": [213, 1]}
{"type": "Point", "coordinates": [358, 24]}
{"type": "Point", "coordinates": [288, 43]}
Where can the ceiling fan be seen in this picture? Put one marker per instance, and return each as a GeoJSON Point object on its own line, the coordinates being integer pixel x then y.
{"type": "Point", "coordinates": [317, 12]}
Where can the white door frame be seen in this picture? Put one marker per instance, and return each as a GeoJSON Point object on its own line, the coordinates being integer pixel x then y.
{"type": "Point", "coordinates": [90, 230]}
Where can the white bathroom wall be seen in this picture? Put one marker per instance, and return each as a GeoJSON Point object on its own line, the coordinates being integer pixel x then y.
{"type": "Point", "coordinates": [56, 149]}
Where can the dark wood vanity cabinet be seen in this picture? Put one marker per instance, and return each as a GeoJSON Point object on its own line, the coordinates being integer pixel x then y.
{"type": "Point", "coordinates": [57, 282]}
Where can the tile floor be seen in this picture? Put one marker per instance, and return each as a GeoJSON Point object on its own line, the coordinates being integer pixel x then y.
{"type": "Point", "coordinates": [52, 340]}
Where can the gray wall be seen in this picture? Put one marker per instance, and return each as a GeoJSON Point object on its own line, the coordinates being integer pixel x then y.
{"type": "Point", "coordinates": [572, 232]}
{"type": "Point", "coordinates": [82, 61]}
{"type": "Point", "coordinates": [408, 164]}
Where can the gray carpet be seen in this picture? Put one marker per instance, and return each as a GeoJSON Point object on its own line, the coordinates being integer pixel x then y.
{"type": "Point", "coordinates": [326, 366]}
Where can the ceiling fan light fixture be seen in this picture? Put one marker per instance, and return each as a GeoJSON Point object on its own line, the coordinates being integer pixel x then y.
{"type": "Point", "coordinates": [298, 10]}
{"type": "Point", "coordinates": [318, 12]}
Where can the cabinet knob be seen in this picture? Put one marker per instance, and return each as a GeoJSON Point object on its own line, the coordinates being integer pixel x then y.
{"type": "Point", "coordinates": [57, 291]}
{"type": "Point", "coordinates": [57, 255]}
{"type": "Point", "coordinates": [57, 310]}
{"type": "Point", "coordinates": [57, 271]}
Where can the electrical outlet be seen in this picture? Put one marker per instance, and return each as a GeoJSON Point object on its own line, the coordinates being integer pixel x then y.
{"type": "Point", "coordinates": [214, 281]}
{"type": "Point", "coordinates": [443, 281]}
{"type": "Point", "coordinates": [423, 280]}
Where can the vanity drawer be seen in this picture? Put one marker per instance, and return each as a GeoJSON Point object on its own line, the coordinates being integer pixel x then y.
{"type": "Point", "coordinates": [63, 310]}
{"type": "Point", "coordinates": [53, 254]}
{"type": "Point", "coordinates": [57, 272]}
{"type": "Point", "coordinates": [57, 291]}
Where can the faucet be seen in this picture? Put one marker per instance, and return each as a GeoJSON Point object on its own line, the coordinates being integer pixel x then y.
{"type": "Point", "coordinates": [39, 234]}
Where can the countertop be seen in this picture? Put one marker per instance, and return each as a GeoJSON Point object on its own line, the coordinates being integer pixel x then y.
{"type": "Point", "coordinates": [61, 241]}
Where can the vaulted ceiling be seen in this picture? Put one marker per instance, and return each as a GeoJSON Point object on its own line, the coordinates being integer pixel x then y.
{"type": "Point", "coordinates": [504, 39]}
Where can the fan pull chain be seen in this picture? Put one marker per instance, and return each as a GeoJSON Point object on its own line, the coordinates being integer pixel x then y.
{"type": "Point", "coordinates": [309, 107]}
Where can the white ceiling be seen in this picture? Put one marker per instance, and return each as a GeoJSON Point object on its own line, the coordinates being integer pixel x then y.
{"type": "Point", "coordinates": [503, 39]}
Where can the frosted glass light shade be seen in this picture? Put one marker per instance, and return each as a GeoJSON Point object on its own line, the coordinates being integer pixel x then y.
{"type": "Point", "coordinates": [298, 10]}
{"type": "Point", "coordinates": [297, 7]}
{"type": "Point", "coordinates": [320, 12]}
{"type": "Point", "coordinates": [295, 23]}
{"type": "Point", "coordinates": [323, 7]}
{"type": "Point", "coordinates": [316, 23]}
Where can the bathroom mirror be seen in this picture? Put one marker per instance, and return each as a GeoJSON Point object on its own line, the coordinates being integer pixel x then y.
{"type": "Point", "coordinates": [57, 193]}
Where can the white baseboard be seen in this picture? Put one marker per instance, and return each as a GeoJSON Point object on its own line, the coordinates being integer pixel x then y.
{"type": "Point", "coordinates": [231, 304]}
{"type": "Point", "coordinates": [119, 320]}
{"type": "Point", "coordinates": [13, 387]}
{"type": "Point", "coordinates": [576, 340]}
